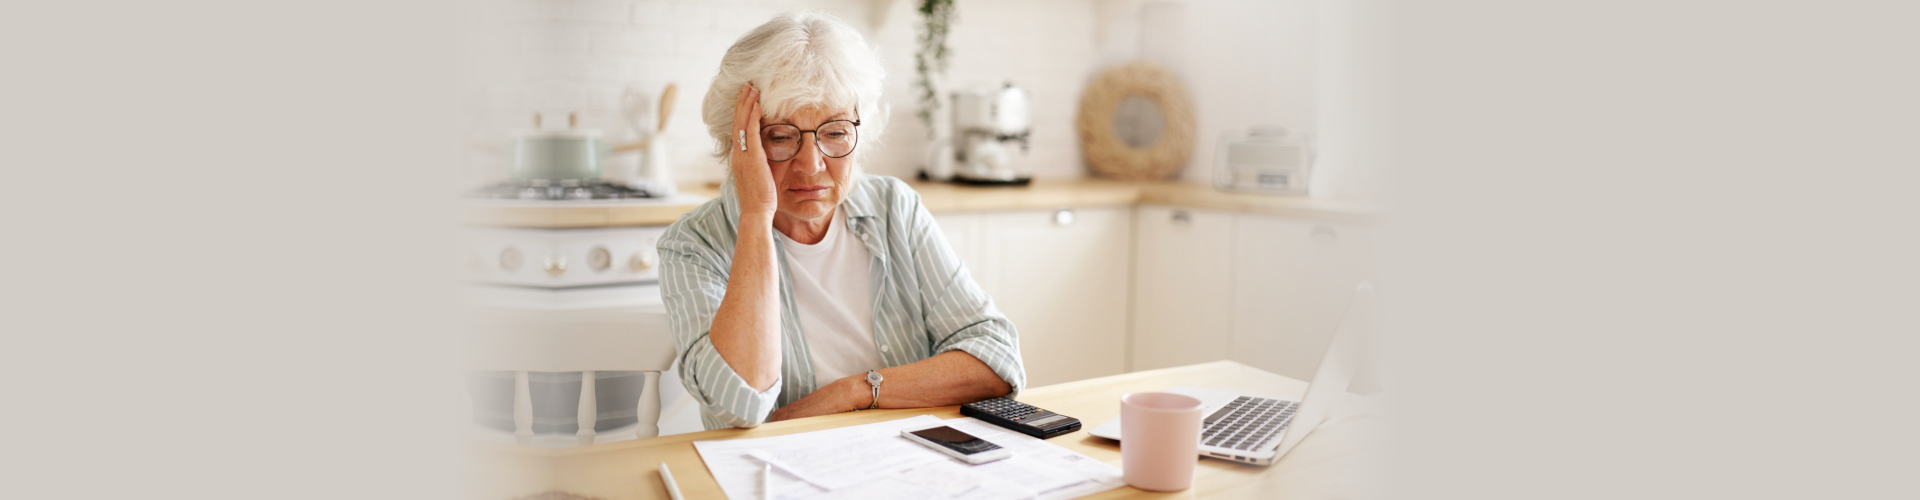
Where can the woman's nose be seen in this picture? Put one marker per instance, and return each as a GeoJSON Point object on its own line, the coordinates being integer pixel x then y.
{"type": "Point", "coordinates": [808, 160]}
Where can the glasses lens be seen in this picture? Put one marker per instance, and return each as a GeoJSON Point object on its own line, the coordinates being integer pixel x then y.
{"type": "Point", "coordinates": [781, 141]}
{"type": "Point", "coordinates": [837, 138]}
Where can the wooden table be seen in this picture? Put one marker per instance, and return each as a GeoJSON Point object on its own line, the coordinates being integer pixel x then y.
{"type": "Point", "coordinates": [1340, 459]}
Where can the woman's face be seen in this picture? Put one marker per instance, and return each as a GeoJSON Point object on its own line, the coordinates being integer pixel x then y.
{"type": "Point", "coordinates": [811, 184]}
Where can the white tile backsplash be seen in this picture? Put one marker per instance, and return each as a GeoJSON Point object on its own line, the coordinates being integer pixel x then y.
{"type": "Point", "coordinates": [1247, 64]}
{"type": "Point", "coordinates": [608, 11]}
{"type": "Point", "coordinates": [580, 56]}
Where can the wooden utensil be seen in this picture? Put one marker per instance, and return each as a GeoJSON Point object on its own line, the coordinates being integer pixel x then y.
{"type": "Point", "coordinates": [666, 105]}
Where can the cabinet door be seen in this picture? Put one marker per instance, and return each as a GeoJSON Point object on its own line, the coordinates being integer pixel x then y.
{"type": "Point", "coordinates": [963, 234]}
{"type": "Point", "coordinates": [1062, 279]}
{"type": "Point", "coordinates": [1292, 282]}
{"type": "Point", "coordinates": [1182, 285]}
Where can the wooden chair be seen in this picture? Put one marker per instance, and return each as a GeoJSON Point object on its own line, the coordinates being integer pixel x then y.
{"type": "Point", "coordinates": [585, 341]}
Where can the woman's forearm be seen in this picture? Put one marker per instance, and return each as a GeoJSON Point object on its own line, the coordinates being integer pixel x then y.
{"type": "Point", "coordinates": [746, 328]}
{"type": "Point", "coordinates": [949, 378]}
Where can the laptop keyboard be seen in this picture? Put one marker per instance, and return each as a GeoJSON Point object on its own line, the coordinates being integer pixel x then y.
{"type": "Point", "coordinates": [1246, 422]}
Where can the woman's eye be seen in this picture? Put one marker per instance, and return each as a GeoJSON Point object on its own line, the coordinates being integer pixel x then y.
{"type": "Point", "coordinates": [836, 135]}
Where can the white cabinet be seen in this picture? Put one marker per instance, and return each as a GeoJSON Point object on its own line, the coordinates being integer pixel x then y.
{"type": "Point", "coordinates": [1061, 277]}
{"type": "Point", "coordinates": [1119, 289]}
{"type": "Point", "coordinates": [1292, 281]}
{"type": "Point", "coordinates": [1182, 312]}
{"type": "Point", "coordinates": [963, 234]}
{"type": "Point", "coordinates": [1262, 290]}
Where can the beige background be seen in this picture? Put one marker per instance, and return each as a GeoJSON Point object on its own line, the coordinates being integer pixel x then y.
{"type": "Point", "coordinates": [1639, 248]}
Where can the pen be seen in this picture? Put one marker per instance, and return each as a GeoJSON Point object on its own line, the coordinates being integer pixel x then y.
{"type": "Point", "coordinates": [673, 490]}
{"type": "Point", "coordinates": [766, 482]}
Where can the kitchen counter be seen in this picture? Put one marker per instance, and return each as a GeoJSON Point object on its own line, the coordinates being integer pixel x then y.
{"type": "Point", "coordinates": [942, 198]}
{"type": "Point", "coordinates": [582, 214]}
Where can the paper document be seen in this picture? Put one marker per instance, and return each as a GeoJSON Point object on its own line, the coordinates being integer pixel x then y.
{"type": "Point", "coordinates": [852, 457]}
{"type": "Point", "coordinates": [874, 461]}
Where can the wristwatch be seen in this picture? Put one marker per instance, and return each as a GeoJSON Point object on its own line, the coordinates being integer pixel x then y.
{"type": "Point", "coordinates": [873, 377]}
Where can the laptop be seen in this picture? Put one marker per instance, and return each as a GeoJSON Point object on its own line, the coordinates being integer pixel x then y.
{"type": "Point", "coordinates": [1259, 429]}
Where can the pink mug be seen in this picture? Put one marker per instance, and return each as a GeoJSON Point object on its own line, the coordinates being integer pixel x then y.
{"type": "Point", "coordinates": [1159, 440]}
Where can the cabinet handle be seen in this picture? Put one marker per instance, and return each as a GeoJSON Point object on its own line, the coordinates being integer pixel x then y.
{"type": "Point", "coordinates": [1326, 233]}
{"type": "Point", "coordinates": [556, 265]}
{"type": "Point", "coordinates": [1182, 217]}
{"type": "Point", "coordinates": [1063, 217]}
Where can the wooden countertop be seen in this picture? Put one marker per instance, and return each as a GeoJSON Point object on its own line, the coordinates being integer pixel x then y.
{"type": "Point", "coordinates": [1339, 460]}
{"type": "Point", "coordinates": [939, 197]}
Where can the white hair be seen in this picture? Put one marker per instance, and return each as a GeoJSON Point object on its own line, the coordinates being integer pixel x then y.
{"type": "Point", "coordinates": [797, 60]}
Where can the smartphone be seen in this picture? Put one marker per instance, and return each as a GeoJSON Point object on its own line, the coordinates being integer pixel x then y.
{"type": "Point", "coordinates": [956, 444]}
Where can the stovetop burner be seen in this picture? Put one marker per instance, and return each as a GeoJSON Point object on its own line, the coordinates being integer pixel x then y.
{"type": "Point", "coordinates": [559, 190]}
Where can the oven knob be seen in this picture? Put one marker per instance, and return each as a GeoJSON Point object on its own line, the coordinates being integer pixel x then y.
{"type": "Point", "coordinates": [556, 265]}
{"type": "Point", "coordinates": [599, 259]}
{"type": "Point", "coordinates": [640, 262]}
{"type": "Point", "coordinates": [510, 259]}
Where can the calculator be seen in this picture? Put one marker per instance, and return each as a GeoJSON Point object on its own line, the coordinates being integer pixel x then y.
{"type": "Point", "coordinates": [1021, 417]}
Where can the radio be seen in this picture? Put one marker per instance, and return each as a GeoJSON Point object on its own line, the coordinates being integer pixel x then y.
{"type": "Point", "coordinates": [1262, 159]}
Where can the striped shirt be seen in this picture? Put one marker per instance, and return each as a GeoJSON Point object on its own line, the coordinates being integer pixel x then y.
{"type": "Point", "coordinates": [924, 302]}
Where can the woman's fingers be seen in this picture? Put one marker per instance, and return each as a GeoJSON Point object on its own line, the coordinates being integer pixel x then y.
{"type": "Point", "coordinates": [746, 118]}
{"type": "Point", "coordinates": [753, 127]}
{"type": "Point", "coordinates": [739, 107]}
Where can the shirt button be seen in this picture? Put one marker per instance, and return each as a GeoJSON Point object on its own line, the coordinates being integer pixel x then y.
{"type": "Point", "coordinates": [883, 348]}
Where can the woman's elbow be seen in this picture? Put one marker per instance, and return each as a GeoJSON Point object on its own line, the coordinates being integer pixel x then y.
{"type": "Point", "coordinates": [997, 387]}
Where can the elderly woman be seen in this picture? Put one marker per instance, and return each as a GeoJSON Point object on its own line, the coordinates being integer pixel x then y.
{"type": "Point", "coordinates": [809, 286]}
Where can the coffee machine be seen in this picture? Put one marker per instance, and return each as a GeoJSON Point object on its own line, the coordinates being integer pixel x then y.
{"type": "Point", "coordinates": [991, 131]}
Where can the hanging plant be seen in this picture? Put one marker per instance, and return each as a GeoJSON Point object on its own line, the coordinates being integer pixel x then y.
{"type": "Point", "coordinates": [931, 60]}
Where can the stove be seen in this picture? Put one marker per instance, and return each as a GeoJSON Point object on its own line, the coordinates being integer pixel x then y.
{"type": "Point", "coordinates": [566, 268]}
{"type": "Point", "coordinates": [559, 190]}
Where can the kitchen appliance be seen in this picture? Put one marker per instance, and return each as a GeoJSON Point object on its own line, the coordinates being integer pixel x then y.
{"type": "Point", "coordinates": [564, 268]}
{"type": "Point", "coordinates": [562, 165]}
{"type": "Point", "coordinates": [1262, 159]}
{"type": "Point", "coordinates": [559, 190]}
{"type": "Point", "coordinates": [986, 125]}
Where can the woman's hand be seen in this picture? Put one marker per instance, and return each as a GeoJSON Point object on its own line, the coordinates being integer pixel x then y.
{"type": "Point", "coordinates": [836, 397]}
{"type": "Point", "coordinates": [752, 176]}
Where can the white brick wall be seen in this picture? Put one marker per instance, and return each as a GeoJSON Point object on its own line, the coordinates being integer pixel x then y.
{"type": "Point", "coordinates": [581, 56]}
{"type": "Point", "coordinates": [1248, 63]}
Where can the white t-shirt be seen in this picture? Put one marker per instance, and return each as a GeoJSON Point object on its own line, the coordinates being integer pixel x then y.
{"type": "Point", "coordinates": [831, 287]}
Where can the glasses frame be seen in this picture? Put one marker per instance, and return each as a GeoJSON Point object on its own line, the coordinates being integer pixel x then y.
{"type": "Point", "coordinates": [816, 138]}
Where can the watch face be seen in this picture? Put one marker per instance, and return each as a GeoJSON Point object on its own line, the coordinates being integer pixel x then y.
{"type": "Point", "coordinates": [874, 378]}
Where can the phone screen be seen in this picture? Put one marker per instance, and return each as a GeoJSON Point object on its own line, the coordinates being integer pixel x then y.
{"type": "Point", "coordinates": [955, 440]}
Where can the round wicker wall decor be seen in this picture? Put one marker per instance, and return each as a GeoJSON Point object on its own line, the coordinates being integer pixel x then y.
{"type": "Point", "coordinates": [1118, 91]}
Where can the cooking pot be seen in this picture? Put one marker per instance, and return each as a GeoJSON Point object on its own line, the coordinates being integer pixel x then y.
{"type": "Point", "coordinates": [563, 154]}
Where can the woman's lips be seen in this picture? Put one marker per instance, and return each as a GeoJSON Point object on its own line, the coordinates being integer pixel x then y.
{"type": "Point", "coordinates": [808, 191]}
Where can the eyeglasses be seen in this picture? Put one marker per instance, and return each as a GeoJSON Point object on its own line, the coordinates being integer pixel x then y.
{"type": "Point", "coordinates": [834, 139]}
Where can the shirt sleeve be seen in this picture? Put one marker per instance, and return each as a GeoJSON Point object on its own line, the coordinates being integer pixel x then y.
{"type": "Point", "coordinates": [692, 283]}
{"type": "Point", "coordinates": [960, 316]}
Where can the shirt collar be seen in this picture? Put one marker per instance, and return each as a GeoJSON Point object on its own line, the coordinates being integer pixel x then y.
{"type": "Point", "coordinates": [861, 202]}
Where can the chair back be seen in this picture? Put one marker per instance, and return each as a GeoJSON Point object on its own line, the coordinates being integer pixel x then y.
{"type": "Point", "coordinates": [574, 340]}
